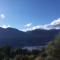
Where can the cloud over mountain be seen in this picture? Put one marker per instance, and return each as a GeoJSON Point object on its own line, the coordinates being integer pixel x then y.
{"type": "Point", "coordinates": [5, 26]}
{"type": "Point", "coordinates": [55, 24]}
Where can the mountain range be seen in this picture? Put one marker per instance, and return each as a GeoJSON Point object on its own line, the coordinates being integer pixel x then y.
{"type": "Point", "coordinates": [17, 38]}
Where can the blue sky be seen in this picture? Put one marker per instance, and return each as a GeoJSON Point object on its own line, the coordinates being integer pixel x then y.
{"type": "Point", "coordinates": [20, 13]}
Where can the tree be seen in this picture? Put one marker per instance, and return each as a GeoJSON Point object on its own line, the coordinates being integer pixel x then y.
{"type": "Point", "coordinates": [35, 52]}
{"type": "Point", "coordinates": [18, 51]}
{"type": "Point", "coordinates": [5, 52]}
{"type": "Point", "coordinates": [53, 49]}
{"type": "Point", "coordinates": [50, 58]}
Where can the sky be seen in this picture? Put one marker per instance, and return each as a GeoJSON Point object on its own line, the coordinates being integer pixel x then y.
{"type": "Point", "coordinates": [30, 14]}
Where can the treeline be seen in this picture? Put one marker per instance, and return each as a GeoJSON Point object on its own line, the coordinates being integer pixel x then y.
{"type": "Point", "coordinates": [9, 53]}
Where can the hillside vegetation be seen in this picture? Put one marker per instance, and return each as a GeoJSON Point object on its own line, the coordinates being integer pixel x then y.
{"type": "Point", "coordinates": [51, 52]}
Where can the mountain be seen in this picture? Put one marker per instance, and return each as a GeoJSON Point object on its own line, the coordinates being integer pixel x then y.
{"type": "Point", "coordinates": [17, 38]}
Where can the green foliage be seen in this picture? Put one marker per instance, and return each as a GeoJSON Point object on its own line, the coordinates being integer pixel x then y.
{"type": "Point", "coordinates": [53, 49]}
{"type": "Point", "coordinates": [18, 57]}
{"type": "Point", "coordinates": [50, 58]}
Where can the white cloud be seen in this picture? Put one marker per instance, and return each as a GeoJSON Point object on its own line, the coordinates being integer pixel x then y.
{"type": "Point", "coordinates": [5, 26]}
{"type": "Point", "coordinates": [2, 16]}
{"type": "Point", "coordinates": [55, 24]}
{"type": "Point", "coordinates": [28, 25]}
